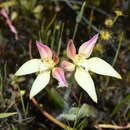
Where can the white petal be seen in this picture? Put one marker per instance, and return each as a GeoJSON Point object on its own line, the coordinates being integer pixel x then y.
{"type": "Point", "coordinates": [84, 64]}
{"type": "Point", "coordinates": [85, 81]}
{"type": "Point", "coordinates": [100, 66]}
{"type": "Point", "coordinates": [30, 66]}
{"type": "Point", "coordinates": [40, 83]}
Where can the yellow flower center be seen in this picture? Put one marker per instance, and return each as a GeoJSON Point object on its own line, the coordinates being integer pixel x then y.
{"type": "Point", "coordinates": [80, 61]}
{"type": "Point", "coordinates": [49, 63]}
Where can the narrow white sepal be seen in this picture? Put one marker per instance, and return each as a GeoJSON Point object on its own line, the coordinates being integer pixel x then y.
{"type": "Point", "coordinates": [40, 83]}
{"type": "Point", "coordinates": [100, 66]}
{"type": "Point", "coordinates": [85, 81]}
{"type": "Point", "coordinates": [29, 67]}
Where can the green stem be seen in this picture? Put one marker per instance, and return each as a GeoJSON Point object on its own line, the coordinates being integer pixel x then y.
{"type": "Point", "coordinates": [22, 101]}
{"type": "Point", "coordinates": [60, 40]}
{"type": "Point", "coordinates": [115, 19]}
{"type": "Point", "coordinates": [50, 117]}
{"type": "Point", "coordinates": [78, 19]}
{"type": "Point", "coordinates": [121, 36]}
{"type": "Point", "coordinates": [75, 31]}
{"type": "Point", "coordinates": [90, 20]}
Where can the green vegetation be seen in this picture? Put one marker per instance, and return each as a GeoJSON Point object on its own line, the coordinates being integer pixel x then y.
{"type": "Point", "coordinates": [54, 23]}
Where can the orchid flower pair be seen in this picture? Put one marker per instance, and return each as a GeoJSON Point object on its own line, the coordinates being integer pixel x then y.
{"type": "Point", "coordinates": [81, 65]}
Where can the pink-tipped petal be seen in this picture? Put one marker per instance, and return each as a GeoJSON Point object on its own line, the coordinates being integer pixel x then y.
{"type": "Point", "coordinates": [71, 50]}
{"type": "Point", "coordinates": [87, 47]}
{"type": "Point", "coordinates": [12, 28]}
{"type": "Point", "coordinates": [4, 13]}
{"type": "Point", "coordinates": [68, 66]}
{"type": "Point", "coordinates": [59, 75]}
{"type": "Point", "coordinates": [45, 51]}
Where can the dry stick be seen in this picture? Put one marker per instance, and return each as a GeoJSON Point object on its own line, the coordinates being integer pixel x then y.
{"type": "Point", "coordinates": [50, 117]}
{"type": "Point", "coordinates": [112, 126]}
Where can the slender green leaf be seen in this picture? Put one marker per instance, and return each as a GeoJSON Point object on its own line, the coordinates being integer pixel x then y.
{"type": "Point", "coordinates": [4, 115]}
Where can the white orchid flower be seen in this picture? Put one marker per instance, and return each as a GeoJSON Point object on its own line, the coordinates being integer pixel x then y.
{"type": "Point", "coordinates": [44, 66]}
{"type": "Point", "coordinates": [82, 66]}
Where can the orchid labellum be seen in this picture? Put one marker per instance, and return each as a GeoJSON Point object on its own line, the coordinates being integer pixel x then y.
{"type": "Point", "coordinates": [44, 66]}
{"type": "Point", "coordinates": [82, 65]}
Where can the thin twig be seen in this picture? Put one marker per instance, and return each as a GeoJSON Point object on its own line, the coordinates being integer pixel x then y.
{"type": "Point", "coordinates": [112, 126]}
{"type": "Point", "coordinates": [50, 117]}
